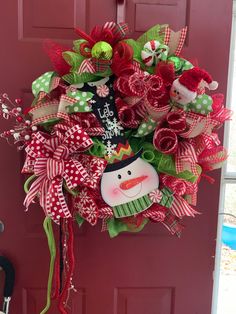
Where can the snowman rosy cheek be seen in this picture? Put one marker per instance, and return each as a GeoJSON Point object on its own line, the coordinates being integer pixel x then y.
{"type": "Point", "coordinates": [113, 191]}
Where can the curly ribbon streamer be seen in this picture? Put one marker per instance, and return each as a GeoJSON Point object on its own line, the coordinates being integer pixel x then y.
{"type": "Point", "coordinates": [165, 141]}
{"type": "Point", "coordinates": [127, 116]}
{"type": "Point", "coordinates": [176, 121]}
{"type": "Point", "coordinates": [147, 92]}
{"type": "Point", "coordinates": [53, 164]}
{"type": "Point", "coordinates": [150, 154]}
{"type": "Point", "coordinates": [71, 265]}
{"type": "Point", "coordinates": [52, 248]}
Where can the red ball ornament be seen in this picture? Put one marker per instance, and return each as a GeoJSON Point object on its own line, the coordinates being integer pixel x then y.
{"type": "Point", "coordinates": [18, 101]}
{"type": "Point", "coordinates": [19, 119]}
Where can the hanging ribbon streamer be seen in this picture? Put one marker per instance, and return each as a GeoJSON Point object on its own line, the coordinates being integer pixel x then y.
{"type": "Point", "coordinates": [52, 248]}
{"type": "Point", "coordinates": [70, 263]}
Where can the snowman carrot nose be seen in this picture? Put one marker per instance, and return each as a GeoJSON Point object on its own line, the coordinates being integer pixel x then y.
{"type": "Point", "coordinates": [128, 184]}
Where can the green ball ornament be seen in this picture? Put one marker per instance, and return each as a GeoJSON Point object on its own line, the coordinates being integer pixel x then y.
{"type": "Point", "coordinates": [102, 50]}
{"type": "Point", "coordinates": [178, 63]}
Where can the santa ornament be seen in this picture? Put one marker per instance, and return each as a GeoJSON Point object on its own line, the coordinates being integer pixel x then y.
{"type": "Point", "coordinates": [122, 131]}
{"type": "Point", "coordinates": [184, 88]}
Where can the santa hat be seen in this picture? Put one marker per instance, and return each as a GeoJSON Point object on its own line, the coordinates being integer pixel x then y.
{"type": "Point", "coordinates": [191, 79]}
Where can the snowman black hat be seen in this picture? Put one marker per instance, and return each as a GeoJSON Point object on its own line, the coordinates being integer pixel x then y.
{"type": "Point", "coordinates": [122, 157]}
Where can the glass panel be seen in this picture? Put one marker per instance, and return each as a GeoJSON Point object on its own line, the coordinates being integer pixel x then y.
{"type": "Point", "coordinates": [230, 201]}
{"type": "Point", "coordinates": [231, 164]}
{"type": "Point", "coordinates": [227, 280]}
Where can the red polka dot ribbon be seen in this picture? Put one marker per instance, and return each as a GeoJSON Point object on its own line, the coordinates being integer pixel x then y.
{"type": "Point", "coordinates": [53, 163]}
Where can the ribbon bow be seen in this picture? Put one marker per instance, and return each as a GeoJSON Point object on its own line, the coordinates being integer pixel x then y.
{"type": "Point", "coordinates": [53, 162]}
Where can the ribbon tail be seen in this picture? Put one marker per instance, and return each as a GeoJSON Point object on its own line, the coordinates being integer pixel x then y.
{"type": "Point", "coordinates": [52, 248]}
{"type": "Point", "coordinates": [181, 208]}
{"type": "Point", "coordinates": [173, 224]}
{"type": "Point", "coordinates": [56, 206]}
{"type": "Point", "coordinates": [33, 191]}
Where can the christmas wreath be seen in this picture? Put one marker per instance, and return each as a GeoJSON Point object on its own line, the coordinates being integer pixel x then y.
{"type": "Point", "coordinates": [122, 131]}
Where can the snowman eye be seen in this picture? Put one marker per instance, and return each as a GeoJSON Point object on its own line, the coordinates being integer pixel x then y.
{"type": "Point", "coordinates": [129, 172]}
{"type": "Point", "coordinates": [177, 93]}
{"type": "Point", "coordinates": [119, 176]}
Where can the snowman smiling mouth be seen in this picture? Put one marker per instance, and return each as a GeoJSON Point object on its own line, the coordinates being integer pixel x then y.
{"type": "Point", "coordinates": [132, 187]}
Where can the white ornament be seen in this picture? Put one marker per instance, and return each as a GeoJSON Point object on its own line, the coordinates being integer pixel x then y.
{"type": "Point", "coordinates": [149, 52]}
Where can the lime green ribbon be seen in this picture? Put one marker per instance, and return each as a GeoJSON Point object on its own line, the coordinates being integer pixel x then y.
{"type": "Point", "coordinates": [80, 220]}
{"type": "Point", "coordinates": [82, 99]}
{"type": "Point", "coordinates": [98, 149]}
{"type": "Point", "coordinates": [167, 197]}
{"type": "Point", "coordinates": [43, 83]}
{"type": "Point", "coordinates": [201, 104]}
{"type": "Point", "coordinates": [27, 183]}
{"type": "Point", "coordinates": [73, 59]}
{"type": "Point", "coordinates": [116, 226]}
{"type": "Point", "coordinates": [146, 127]}
{"type": "Point", "coordinates": [52, 248]}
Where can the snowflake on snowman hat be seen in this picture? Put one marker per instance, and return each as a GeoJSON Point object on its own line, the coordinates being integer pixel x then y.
{"type": "Point", "coordinates": [185, 89]}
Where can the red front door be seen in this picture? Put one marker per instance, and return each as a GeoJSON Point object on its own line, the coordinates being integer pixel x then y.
{"type": "Point", "coordinates": [146, 273]}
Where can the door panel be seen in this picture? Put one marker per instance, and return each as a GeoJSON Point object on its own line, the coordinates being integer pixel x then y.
{"type": "Point", "coordinates": [142, 15]}
{"type": "Point", "coordinates": [150, 272]}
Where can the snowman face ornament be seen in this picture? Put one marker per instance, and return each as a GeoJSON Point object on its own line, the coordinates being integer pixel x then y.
{"type": "Point", "coordinates": [180, 94]}
{"type": "Point", "coordinates": [128, 183]}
